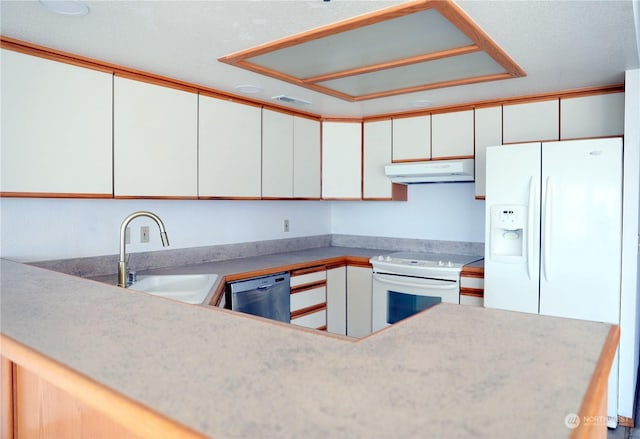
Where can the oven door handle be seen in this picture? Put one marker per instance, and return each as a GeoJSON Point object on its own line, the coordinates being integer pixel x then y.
{"type": "Point", "coordinates": [385, 280]}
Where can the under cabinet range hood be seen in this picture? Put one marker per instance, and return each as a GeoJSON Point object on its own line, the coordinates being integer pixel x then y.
{"type": "Point", "coordinates": [436, 171]}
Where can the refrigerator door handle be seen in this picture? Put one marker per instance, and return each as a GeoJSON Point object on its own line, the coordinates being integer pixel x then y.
{"type": "Point", "coordinates": [532, 200]}
{"type": "Point", "coordinates": [546, 247]}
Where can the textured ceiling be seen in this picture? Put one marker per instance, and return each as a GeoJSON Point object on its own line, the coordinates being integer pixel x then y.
{"type": "Point", "coordinates": [559, 44]}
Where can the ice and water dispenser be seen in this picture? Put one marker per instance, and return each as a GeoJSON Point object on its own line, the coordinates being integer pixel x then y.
{"type": "Point", "coordinates": [508, 228]}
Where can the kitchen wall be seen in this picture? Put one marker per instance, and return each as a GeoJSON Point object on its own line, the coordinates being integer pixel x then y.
{"type": "Point", "coordinates": [46, 229]}
{"type": "Point", "coordinates": [443, 211]}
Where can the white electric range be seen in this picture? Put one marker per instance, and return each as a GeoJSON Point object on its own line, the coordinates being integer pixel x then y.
{"type": "Point", "coordinates": [405, 283]}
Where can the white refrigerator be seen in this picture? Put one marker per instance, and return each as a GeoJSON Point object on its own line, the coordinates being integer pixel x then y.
{"type": "Point", "coordinates": [553, 232]}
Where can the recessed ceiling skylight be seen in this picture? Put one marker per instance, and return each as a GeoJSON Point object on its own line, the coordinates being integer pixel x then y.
{"type": "Point", "coordinates": [419, 45]}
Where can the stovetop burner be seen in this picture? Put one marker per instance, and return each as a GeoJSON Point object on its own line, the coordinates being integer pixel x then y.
{"type": "Point", "coordinates": [418, 263]}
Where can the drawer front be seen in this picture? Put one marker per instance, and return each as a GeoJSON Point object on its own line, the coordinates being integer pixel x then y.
{"type": "Point", "coordinates": [315, 320]}
{"type": "Point", "coordinates": [308, 278]}
{"type": "Point", "coordinates": [471, 300]}
{"type": "Point", "coordinates": [308, 298]}
{"type": "Point", "coordinates": [472, 282]}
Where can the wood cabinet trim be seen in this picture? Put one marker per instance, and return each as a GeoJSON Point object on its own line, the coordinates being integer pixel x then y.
{"type": "Point", "coordinates": [473, 292]}
{"type": "Point", "coordinates": [308, 310]}
{"type": "Point", "coordinates": [596, 395]}
{"type": "Point", "coordinates": [51, 195]}
{"type": "Point", "coordinates": [94, 64]}
{"type": "Point", "coordinates": [307, 270]}
{"type": "Point", "coordinates": [138, 418]}
{"type": "Point", "coordinates": [309, 286]}
{"type": "Point", "coordinates": [102, 66]}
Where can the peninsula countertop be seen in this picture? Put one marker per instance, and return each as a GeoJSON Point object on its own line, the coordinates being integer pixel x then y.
{"type": "Point", "coordinates": [451, 371]}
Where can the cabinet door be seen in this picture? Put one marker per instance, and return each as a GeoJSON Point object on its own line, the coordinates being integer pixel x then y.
{"type": "Point", "coordinates": [531, 121]}
{"type": "Point", "coordinates": [306, 158]}
{"type": "Point", "coordinates": [488, 132]}
{"type": "Point", "coordinates": [377, 154]}
{"type": "Point", "coordinates": [56, 128]}
{"type": "Point", "coordinates": [277, 154]}
{"type": "Point", "coordinates": [412, 138]}
{"type": "Point", "coordinates": [592, 116]}
{"type": "Point", "coordinates": [230, 150]}
{"type": "Point", "coordinates": [337, 300]}
{"type": "Point", "coordinates": [452, 134]}
{"type": "Point", "coordinates": [341, 160]}
{"type": "Point", "coordinates": [155, 140]}
{"type": "Point", "coordinates": [359, 286]}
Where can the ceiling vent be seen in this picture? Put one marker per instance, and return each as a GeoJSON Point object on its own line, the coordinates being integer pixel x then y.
{"type": "Point", "coordinates": [290, 100]}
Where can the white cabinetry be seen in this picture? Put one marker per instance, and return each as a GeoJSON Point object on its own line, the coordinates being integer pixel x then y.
{"type": "Point", "coordinates": [306, 158]}
{"type": "Point", "coordinates": [592, 116]}
{"type": "Point", "coordinates": [341, 160]}
{"type": "Point", "coordinates": [230, 149]}
{"type": "Point", "coordinates": [337, 300]}
{"type": "Point", "coordinates": [488, 132]}
{"type": "Point", "coordinates": [531, 121]}
{"type": "Point", "coordinates": [452, 135]}
{"type": "Point", "coordinates": [277, 154]}
{"type": "Point", "coordinates": [359, 286]}
{"type": "Point", "coordinates": [412, 138]}
{"type": "Point", "coordinates": [290, 156]}
{"type": "Point", "coordinates": [56, 128]}
{"type": "Point", "coordinates": [309, 297]}
{"type": "Point", "coordinates": [155, 140]}
{"type": "Point", "coordinates": [377, 154]}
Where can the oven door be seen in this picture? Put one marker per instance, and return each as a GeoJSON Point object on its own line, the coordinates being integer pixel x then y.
{"type": "Point", "coordinates": [396, 297]}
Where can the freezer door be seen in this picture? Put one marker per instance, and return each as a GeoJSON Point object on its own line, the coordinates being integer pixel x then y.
{"type": "Point", "coordinates": [581, 229]}
{"type": "Point", "coordinates": [513, 179]}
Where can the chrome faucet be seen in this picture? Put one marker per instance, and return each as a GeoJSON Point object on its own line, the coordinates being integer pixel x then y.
{"type": "Point", "coordinates": [122, 264]}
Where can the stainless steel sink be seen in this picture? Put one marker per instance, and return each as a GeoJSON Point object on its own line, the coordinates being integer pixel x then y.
{"type": "Point", "coordinates": [187, 288]}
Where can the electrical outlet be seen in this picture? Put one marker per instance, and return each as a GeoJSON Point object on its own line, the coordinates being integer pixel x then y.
{"type": "Point", "coordinates": [144, 234]}
{"type": "Point", "coordinates": [285, 225]}
{"type": "Point", "coordinates": [127, 235]}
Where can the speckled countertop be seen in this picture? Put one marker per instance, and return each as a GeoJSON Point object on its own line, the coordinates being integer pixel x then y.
{"type": "Point", "coordinates": [451, 371]}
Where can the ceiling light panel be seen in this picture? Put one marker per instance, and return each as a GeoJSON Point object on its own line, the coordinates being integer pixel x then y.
{"type": "Point", "coordinates": [418, 45]}
{"type": "Point", "coordinates": [371, 45]}
{"type": "Point", "coordinates": [421, 76]}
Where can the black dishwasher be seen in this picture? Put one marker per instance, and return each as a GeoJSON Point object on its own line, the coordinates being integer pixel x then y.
{"type": "Point", "coordinates": [266, 296]}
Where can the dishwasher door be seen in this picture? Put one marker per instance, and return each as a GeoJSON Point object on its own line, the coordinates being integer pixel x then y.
{"type": "Point", "coordinates": [267, 296]}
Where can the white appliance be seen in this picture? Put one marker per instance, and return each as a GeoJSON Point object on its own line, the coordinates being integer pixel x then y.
{"type": "Point", "coordinates": [405, 283]}
{"type": "Point", "coordinates": [435, 171]}
{"type": "Point", "coordinates": [553, 232]}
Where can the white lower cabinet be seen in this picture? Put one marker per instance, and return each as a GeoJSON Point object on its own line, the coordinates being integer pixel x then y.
{"type": "Point", "coordinates": [359, 286]}
{"type": "Point", "coordinates": [337, 300]}
{"type": "Point", "coordinates": [309, 297]}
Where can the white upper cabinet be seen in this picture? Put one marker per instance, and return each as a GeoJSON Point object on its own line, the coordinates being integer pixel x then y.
{"type": "Point", "coordinates": [341, 160]}
{"type": "Point", "coordinates": [592, 116]}
{"type": "Point", "coordinates": [412, 138]}
{"type": "Point", "coordinates": [306, 158]}
{"type": "Point", "coordinates": [377, 154]}
{"type": "Point", "coordinates": [230, 149]}
{"type": "Point", "coordinates": [277, 154]}
{"type": "Point", "coordinates": [155, 140]}
{"type": "Point", "coordinates": [452, 134]}
{"type": "Point", "coordinates": [531, 121]}
{"type": "Point", "coordinates": [488, 132]}
{"type": "Point", "coordinates": [56, 128]}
